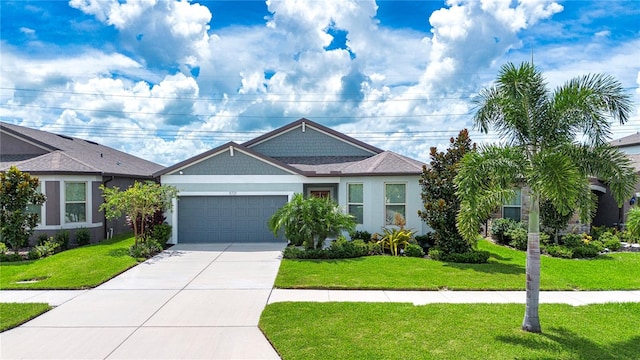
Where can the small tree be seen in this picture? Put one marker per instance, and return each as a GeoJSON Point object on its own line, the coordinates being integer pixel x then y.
{"type": "Point", "coordinates": [311, 220]}
{"type": "Point", "coordinates": [17, 190]}
{"type": "Point", "coordinates": [441, 204]}
{"type": "Point", "coordinates": [552, 219]}
{"type": "Point", "coordinates": [137, 202]}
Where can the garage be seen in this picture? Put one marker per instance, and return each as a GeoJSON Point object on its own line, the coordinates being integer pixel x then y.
{"type": "Point", "coordinates": [214, 219]}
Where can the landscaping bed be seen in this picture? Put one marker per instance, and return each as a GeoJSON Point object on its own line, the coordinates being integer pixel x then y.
{"type": "Point", "coordinates": [505, 271]}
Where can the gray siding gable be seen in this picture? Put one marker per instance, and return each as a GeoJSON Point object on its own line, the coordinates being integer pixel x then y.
{"type": "Point", "coordinates": [311, 142]}
{"type": "Point", "coordinates": [223, 163]}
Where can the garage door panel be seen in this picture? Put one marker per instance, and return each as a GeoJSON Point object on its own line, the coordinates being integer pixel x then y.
{"type": "Point", "coordinates": [205, 219]}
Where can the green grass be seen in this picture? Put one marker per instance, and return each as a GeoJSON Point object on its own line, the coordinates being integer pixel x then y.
{"type": "Point", "coordinates": [450, 331]}
{"type": "Point", "coordinates": [12, 314]}
{"type": "Point", "coordinates": [505, 271]}
{"type": "Point", "coordinates": [79, 268]}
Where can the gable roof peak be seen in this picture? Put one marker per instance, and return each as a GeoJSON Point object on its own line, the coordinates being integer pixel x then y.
{"type": "Point", "coordinates": [304, 123]}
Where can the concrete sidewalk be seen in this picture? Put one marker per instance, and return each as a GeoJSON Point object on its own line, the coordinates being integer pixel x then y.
{"type": "Point", "coordinates": [191, 302]}
{"type": "Point", "coordinates": [575, 298]}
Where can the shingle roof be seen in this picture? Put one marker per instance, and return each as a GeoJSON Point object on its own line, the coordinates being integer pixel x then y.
{"type": "Point", "coordinates": [74, 155]}
{"type": "Point", "coordinates": [633, 139]}
{"type": "Point", "coordinates": [385, 163]}
{"type": "Point", "coordinates": [635, 161]}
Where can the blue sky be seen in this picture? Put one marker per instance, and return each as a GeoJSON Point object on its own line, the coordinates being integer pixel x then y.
{"type": "Point", "coordinates": [166, 80]}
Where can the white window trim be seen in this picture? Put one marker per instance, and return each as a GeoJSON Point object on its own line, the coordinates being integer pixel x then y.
{"type": "Point", "coordinates": [386, 203]}
{"type": "Point", "coordinates": [87, 203]}
{"type": "Point", "coordinates": [355, 203]}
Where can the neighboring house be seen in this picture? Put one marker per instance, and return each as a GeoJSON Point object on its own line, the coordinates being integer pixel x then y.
{"type": "Point", "coordinates": [609, 214]}
{"type": "Point", "coordinates": [70, 172]}
{"type": "Point", "coordinates": [230, 192]}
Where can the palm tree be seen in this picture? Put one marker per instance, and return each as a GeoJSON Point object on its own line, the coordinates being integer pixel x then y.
{"type": "Point", "coordinates": [554, 141]}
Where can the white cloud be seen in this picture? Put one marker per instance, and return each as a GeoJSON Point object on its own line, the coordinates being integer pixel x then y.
{"type": "Point", "coordinates": [164, 32]}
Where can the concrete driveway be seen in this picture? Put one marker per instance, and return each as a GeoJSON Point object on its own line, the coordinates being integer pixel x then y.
{"type": "Point", "coordinates": [190, 302]}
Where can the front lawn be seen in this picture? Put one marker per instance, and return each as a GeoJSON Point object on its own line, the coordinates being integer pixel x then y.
{"type": "Point", "coordinates": [450, 331]}
{"type": "Point", "coordinates": [12, 314]}
{"type": "Point", "coordinates": [80, 268]}
{"type": "Point", "coordinates": [505, 271]}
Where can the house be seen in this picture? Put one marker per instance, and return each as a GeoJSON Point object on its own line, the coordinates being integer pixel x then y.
{"type": "Point", "coordinates": [70, 172]}
{"type": "Point", "coordinates": [230, 192]}
{"type": "Point", "coordinates": [608, 213]}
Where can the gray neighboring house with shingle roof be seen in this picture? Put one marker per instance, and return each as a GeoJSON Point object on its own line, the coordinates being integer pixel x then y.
{"type": "Point", "coordinates": [608, 213]}
{"type": "Point", "coordinates": [70, 172]}
{"type": "Point", "coordinates": [229, 193]}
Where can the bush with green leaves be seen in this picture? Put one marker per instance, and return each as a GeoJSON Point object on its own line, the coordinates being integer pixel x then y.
{"type": "Point", "coordinates": [62, 238]}
{"type": "Point", "coordinates": [360, 235]}
{"type": "Point", "coordinates": [161, 233]}
{"type": "Point", "coordinates": [310, 220]}
{"type": "Point", "coordinates": [18, 190]}
{"type": "Point", "coordinates": [395, 239]}
{"type": "Point", "coordinates": [45, 249]}
{"type": "Point", "coordinates": [3, 248]}
{"type": "Point", "coordinates": [610, 241]}
{"type": "Point", "coordinates": [559, 251]}
{"type": "Point", "coordinates": [42, 238]}
{"type": "Point", "coordinates": [470, 257]}
{"type": "Point", "coordinates": [500, 228]}
{"type": "Point", "coordinates": [586, 251]}
{"type": "Point", "coordinates": [517, 238]}
{"type": "Point", "coordinates": [83, 237]}
{"type": "Point", "coordinates": [413, 250]}
{"type": "Point", "coordinates": [633, 222]}
{"type": "Point", "coordinates": [338, 249]}
{"type": "Point", "coordinates": [145, 250]}
{"type": "Point", "coordinates": [427, 241]}
{"type": "Point", "coordinates": [572, 240]}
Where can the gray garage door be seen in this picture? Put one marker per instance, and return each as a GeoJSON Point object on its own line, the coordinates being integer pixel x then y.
{"type": "Point", "coordinates": [210, 219]}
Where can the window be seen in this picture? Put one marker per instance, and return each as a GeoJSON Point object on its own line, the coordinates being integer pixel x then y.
{"type": "Point", "coordinates": [355, 202]}
{"type": "Point", "coordinates": [75, 194]}
{"type": "Point", "coordinates": [36, 209]}
{"type": "Point", "coordinates": [512, 208]}
{"type": "Point", "coordinates": [395, 202]}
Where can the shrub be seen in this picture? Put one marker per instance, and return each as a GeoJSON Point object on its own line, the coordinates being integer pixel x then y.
{"type": "Point", "coordinates": [161, 233]}
{"type": "Point", "coordinates": [499, 229]}
{"type": "Point", "coordinates": [10, 257]}
{"type": "Point", "coordinates": [572, 240]}
{"type": "Point", "coordinates": [42, 238]}
{"type": "Point", "coordinates": [633, 222]}
{"type": "Point", "coordinates": [413, 250]}
{"type": "Point", "coordinates": [435, 254]}
{"type": "Point", "coordinates": [628, 237]}
{"type": "Point", "coordinates": [518, 237]}
{"type": "Point", "coordinates": [62, 238]}
{"type": "Point", "coordinates": [559, 251]}
{"type": "Point", "coordinates": [83, 237]}
{"type": "Point", "coordinates": [585, 251]}
{"type": "Point", "coordinates": [470, 257]}
{"type": "Point", "coordinates": [341, 248]}
{"type": "Point", "coordinates": [3, 248]}
{"type": "Point", "coordinates": [45, 249]}
{"type": "Point", "coordinates": [427, 240]}
{"type": "Point", "coordinates": [598, 231]}
{"type": "Point", "coordinates": [360, 235]}
{"type": "Point", "coordinates": [395, 239]}
{"type": "Point", "coordinates": [145, 249]}
{"type": "Point", "coordinates": [613, 244]}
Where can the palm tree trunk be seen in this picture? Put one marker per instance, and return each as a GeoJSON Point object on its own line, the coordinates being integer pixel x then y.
{"type": "Point", "coordinates": [531, 320]}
